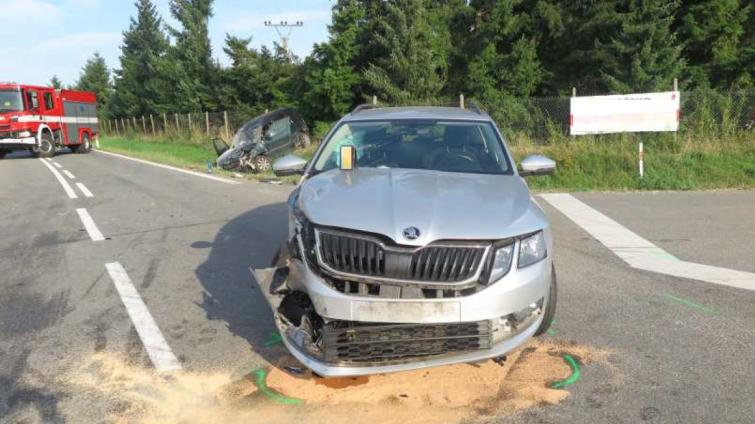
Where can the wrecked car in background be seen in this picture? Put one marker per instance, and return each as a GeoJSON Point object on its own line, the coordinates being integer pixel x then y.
{"type": "Point", "coordinates": [413, 242]}
{"type": "Point", "coordinates": [261, 140]}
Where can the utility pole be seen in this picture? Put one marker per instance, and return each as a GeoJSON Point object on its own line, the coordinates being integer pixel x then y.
{"type": "Point", "coordinates": [283, 28]}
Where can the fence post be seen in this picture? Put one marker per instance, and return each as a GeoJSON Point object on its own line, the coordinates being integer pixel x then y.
{"type": "Point", "coordinates": [374, 100]}
{"type": "Point", "coordinates": [225, 122]}
{"type": "Point", "coordinates": [178, 126]}
{"type": "Point", "coordinates": [461, 100]}
{"type": "Point", "coordinates": [191, 127]}
{"type": "Point", "coordinates": [641, 160]}
{"type": "Point", "coordinates": [165, 123]}
{"type": "Point", "coordinates": [123, 125]}
{"type": "Point", "coordinates": [144, 125]}
{"type": "Point", "coordinates": [152, 122]}
{"type": "Point", "coordinates": [573, 94]}
{"type": "Point", "coordinates": [133, 118]}
{"type": "Point", "coordinates": [207, 122]}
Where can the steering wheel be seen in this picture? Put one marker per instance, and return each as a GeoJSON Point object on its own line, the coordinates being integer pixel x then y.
{"type": "Point", "coordinates": [458, 162]}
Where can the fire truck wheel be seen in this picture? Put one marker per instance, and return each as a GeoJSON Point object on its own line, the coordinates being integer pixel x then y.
{"type": "Point", "coordinates": [85, 146]}
{"type": "Point", "coordinates": [46, 148]}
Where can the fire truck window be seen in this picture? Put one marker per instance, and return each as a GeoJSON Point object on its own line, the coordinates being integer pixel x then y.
{"type": "Point", "coordinates": [48, 101]}
{"type": "Point", "coordinates": [31, 100]}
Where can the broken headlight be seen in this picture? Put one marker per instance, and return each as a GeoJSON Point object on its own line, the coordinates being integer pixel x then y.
{"type": "Point", "coordinates": [532, 249]}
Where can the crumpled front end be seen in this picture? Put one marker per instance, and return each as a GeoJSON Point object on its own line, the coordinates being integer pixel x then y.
{"type": "Point", "coordinates": [388, 311]}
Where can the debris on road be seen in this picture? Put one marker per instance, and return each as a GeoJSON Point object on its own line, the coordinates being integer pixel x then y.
{"type": "Point", "coordinates": [290, 393]}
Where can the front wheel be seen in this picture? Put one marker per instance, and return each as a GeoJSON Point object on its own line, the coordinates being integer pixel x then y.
{"type": "Point", "coordinates": [3, 153]}
{"type": "Point", "coordinates": [550, 307]}
{"type": "Point", "coordinates": [45, 148]}
{"type": "Point", "coordinates": [262, 163]}
{"type": "Point", "coordinates": [85, 146]}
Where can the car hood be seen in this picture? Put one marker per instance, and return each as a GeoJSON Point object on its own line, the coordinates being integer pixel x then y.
{"type": "Point", "coordinates": [441, 205]}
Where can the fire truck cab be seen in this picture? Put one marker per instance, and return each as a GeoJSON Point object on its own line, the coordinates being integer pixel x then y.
{"type": "Point", "coordinates": [44, 120]}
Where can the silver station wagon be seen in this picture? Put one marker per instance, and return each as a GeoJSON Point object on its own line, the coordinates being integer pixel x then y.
{"type": "Point", "coordinates": [414, 242]}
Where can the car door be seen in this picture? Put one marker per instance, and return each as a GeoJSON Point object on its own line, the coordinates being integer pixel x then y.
{"type": "Point", "coordinates": [278, 134]}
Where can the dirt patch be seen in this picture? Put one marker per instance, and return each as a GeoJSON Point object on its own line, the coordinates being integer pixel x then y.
{"type": "Point", "coordinates": [435, 395]}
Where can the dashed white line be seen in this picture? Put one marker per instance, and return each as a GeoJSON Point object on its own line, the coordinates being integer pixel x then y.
{"type": "Point", "coordinates": [640, 253]}
{"type": "Point", "coordinates": [66, 187]}
{"type": "Point", "coordinates": [84, 190]}
{"type": "Point", "coordinates": [68, 174]}
{"type": "Point", "coordinates": [57, 165]}
{"type": "Point", "coordinates": [152, 338]}
{"type": "Point", "coordinates": [49, 159]}
{"type": "Point", "coordinates": [172, 168]}
{"type": "Point", "coordinates": [89, 225]}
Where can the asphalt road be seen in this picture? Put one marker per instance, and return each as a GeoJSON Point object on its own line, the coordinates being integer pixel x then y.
{"type": "Point", "coordinates": [187, 244]}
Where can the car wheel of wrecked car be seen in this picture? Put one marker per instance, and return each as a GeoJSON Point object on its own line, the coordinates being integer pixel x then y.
{"type": "Point", "coordinates": [262, 163]}
{"type": "Point", "coordinates": [550, 308]}
{"type": "Point", "coordinates": [301, 140]}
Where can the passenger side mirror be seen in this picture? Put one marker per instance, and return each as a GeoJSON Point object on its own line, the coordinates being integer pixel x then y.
{"type": "Point", "coordinates": [536, 165]}
{"type": "Point", "coordinates": [289, 165]}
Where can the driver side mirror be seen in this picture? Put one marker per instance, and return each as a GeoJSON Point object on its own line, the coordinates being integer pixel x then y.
{"type": "Point", "coordinates": [289, 165]}
{"type": "Point", "coordinates": [536, 165]}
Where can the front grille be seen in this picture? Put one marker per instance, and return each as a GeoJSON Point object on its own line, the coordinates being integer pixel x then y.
{"type": "Point", "coordinates": [361, 343]}
{"type": "Point", "coordinates": [357, 255]}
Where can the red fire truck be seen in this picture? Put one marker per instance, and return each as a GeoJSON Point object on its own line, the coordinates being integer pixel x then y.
{"type": "Point", "coordinates": [43, 119]}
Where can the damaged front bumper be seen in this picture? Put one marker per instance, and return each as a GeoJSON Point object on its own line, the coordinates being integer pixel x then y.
{"type": "Point", "coordinates": [338, 334]}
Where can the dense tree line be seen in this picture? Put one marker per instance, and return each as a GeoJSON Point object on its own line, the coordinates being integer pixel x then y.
{"type": "Point", "coordinates": [409, 51]}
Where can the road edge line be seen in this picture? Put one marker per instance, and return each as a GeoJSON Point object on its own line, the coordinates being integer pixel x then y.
{"type": "Point", "coordinates": [172, 168]}
{"type": "Point", "coordinates": [66, 187]}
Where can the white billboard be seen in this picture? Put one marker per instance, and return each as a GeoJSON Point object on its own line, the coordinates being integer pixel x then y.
{"type": "Point", "coordinates": [624, 113]}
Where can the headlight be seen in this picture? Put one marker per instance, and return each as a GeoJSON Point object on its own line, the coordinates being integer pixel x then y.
{"type": "Point", "coordinates": [532, 249]}
{"type": "Point", "coordinates": [24, 134]}
{"type": "Point", "coordinates": [501, 262]}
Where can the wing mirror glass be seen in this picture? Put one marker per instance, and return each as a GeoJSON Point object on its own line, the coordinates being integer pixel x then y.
{"type": "Point", "coordinates": [289, 165]}
{"type": "Point", "coordinates": [536, 165]}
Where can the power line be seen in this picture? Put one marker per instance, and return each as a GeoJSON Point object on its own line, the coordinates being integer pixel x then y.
{"type": "Point", "coordinates": [284, 27]}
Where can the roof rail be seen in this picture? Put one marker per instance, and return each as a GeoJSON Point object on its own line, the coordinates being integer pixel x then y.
{"type": "Point", "coordinates": [364, 106]}
{"type": "Point", "coordinates": [474, 108]}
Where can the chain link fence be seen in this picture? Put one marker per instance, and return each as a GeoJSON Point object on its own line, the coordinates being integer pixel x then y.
{"type": "Point", "coordinates": [704, 114]}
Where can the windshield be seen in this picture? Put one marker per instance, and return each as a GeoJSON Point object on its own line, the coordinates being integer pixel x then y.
{"type": "Point", "coordinates": [10, 101]}
{"type": "Point", "coordinates": [448, 146]}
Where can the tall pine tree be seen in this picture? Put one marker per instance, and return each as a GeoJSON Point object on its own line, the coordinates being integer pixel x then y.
{"type": "Point", "coordinates": [55, 82]}
{"type": "Point", "coordinates": [410, 68]}
{"type": "Point", "coordinates": [191, 67]}
{"type": "Point", "coordinates": [645, 54]}
{"type": "Point", "coordinates": [140, 86]}
{"type": "Point", "coordinates": [95, 77]}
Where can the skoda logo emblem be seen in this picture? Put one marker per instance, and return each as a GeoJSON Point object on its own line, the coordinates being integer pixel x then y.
{"type": "Point", "coordinates": [411, 233]}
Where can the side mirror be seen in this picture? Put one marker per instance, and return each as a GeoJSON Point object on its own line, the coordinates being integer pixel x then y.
{"type": "Point", "coordinates": [289, 165]}
{"type": "Point", "coordinates": [536, 165]}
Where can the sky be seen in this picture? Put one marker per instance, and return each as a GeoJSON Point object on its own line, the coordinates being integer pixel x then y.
{"type": "Point", "coordinates": [42, 38]}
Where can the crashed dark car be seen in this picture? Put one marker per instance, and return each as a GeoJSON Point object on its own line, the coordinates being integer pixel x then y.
{"type": "Point", "coordinates": [261, 140]}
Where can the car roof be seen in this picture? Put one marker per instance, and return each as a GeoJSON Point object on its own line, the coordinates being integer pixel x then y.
{"type": "Point", "coordinates": [416, 112]}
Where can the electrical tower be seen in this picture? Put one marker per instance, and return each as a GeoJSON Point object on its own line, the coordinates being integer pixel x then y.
{"type": "Point", "coordinates": [285, 27]}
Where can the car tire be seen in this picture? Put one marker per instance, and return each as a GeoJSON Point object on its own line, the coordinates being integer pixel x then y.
{"type": "Point", "coordinates": [85, 146]}
{"type": "Point", "coordinates": [3, 153]}
{"type": "Point", "coordinates": [550, 307]}
{"type": "Point", "coordinates": [46, 147]}
{"type": "Point", "coordinates": [301, 140]}
{"type": "Point", "coordinates": [262, 163]}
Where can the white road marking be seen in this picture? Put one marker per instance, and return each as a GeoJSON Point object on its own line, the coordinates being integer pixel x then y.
{"type": "Point", "coordinates": [68, 174]}
{"type": "Point", "coordinates": [49, 159]}
{"type": "Point", "coordinates": [57, 165]}
{"type": "Point", "coordinates": [172, 168]}
{"type": "Point", "coordinates": [89, 225]}
{"type": "Point", "coordinates": [66, 187]}
{"type": "Point", "coordinates": [640, 253]}
{"type": "Point", "coordinates": [84, 190]}
{"type": "Point", "coordinates": [152, 338]}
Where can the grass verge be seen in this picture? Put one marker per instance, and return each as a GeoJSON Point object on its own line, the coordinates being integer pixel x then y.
{"type": "Point", "coordinates": [584, 163]}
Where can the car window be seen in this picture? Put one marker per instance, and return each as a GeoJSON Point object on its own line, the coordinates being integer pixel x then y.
{"type": "Point", "coordinates": [49, 105]}
{"type": "Point", "coordinates": [31, 100]}
{"type": "Point", "coordinates": [448, 146]}
{"type": "Point", "coordinates": [278, 129]}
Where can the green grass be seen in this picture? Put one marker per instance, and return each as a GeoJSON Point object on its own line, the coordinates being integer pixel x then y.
{"type": "Point", "coordinates": [583, 163]}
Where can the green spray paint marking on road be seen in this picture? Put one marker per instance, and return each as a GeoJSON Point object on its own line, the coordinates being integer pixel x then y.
{"type": "Point", "coordinates": [274, 339]}
{"type": "Point", "coordinates": [260, 381]}
{"type": "Point", "coordinates": [551, 332]}
{"type": "Point", "coordinates": [573, 378]}
{"type": "Point", "coordinates": [691, 304]}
